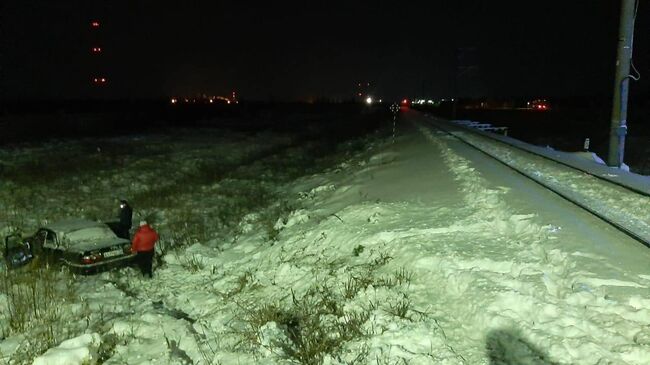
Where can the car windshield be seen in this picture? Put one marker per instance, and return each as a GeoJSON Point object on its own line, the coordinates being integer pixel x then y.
{"type": "Point", "coordinates": [90, 234]}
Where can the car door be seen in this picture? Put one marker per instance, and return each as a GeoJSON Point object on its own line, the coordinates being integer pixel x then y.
{"type": "Point", "coordinates": [17, 251]}
{"type": "Point", "coordinates": [46, 246]}
{"type": "Point", "coordinates": [49, 239]}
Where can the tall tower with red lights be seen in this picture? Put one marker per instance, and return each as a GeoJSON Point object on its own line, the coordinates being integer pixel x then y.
{"type": "Point", "coordinates": [363, 91]}
{"type": "Point", "coordinates": [98, 78]}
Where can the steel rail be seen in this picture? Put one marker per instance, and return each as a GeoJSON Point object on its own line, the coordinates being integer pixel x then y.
{"type": "Point", "coordinates": [497, 139]}
{"type": "Point", "coordinates": [616, 225]}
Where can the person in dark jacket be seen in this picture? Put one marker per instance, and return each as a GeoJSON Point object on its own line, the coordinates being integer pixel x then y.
{"type": "Point", "coordinates": [143, 244]}
{"type": "Point", "coordinates": [126, 219]}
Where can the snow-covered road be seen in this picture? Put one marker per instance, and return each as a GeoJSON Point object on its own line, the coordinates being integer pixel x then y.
{"type": "Point", "coordinates": [425, 251]}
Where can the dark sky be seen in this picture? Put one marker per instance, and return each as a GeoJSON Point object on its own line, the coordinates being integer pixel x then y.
{"type": "Point", "coordinates": [299, 51]}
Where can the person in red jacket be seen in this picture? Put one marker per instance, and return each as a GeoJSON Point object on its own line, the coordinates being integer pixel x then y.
{"type": "Point", "coordinates": [143, 244]}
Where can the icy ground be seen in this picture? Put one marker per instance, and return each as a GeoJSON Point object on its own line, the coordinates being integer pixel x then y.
{"type": "Point", "coordinates": [418, 252]}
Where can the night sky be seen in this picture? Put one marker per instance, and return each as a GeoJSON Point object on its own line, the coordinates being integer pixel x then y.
{"type": "Point", "coordinates": [302, 51]}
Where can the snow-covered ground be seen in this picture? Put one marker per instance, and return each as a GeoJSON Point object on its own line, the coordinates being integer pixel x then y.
{"type": "Point", "coordinates": [420, 252]}
{"type": "Point", "coordinates": [618, 204]}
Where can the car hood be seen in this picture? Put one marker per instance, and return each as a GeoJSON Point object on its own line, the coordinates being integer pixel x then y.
{"type": "Point", "coordinates": [91, 245]}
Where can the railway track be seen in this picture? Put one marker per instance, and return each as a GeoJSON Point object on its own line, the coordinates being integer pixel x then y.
{"type": "Point", "coordinates": [636, 226]}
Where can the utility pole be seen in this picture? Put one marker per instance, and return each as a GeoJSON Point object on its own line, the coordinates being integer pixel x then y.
{"type": "Point", "coordinates": [618, 126]}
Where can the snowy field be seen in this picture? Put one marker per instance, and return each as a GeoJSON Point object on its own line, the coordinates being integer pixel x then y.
{"type": "Point", "coordinates": [418, 252]}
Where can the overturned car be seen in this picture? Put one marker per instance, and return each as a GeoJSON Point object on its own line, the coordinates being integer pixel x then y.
{"type": "Point", "coordinates": [85, 246]}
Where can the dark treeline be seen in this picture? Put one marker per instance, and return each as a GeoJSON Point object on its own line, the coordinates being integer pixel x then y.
{"type": "Point", "coordinates": [35, 121]}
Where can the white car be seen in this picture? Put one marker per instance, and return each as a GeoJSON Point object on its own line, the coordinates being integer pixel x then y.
{"type": "Point", "coordinates": [84, 245]}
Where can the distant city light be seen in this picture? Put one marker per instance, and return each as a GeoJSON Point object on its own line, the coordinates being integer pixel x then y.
{"type": "Point", "coordinates": [94, 24]}
{"type": "Point", "coordinates": [538, 104]}
{"type": "Point", "coordinates": [202, 99]}
{"type": "Point", "coordinates": [369, 100]}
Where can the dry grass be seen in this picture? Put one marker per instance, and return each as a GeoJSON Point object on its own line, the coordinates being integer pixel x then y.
{"type": "Point", "coordinates": [400, 308]}
{"type": "Point", "coordinates": [192, 263]}
{"type": "Point", "coordinates": [355, 284]}
{"type": "Point", "coordinates": [35, 305]}
{"type": "Point", "coordinates": [314, 325]}
{"type": "Point", "coordinates": [358, 250]}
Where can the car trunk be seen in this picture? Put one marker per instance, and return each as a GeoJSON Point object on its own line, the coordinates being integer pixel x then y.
{"type": "Point", "coordinates": [97, 245]}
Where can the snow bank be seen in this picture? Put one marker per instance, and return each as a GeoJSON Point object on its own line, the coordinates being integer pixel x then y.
{"type": "Point", "coordinates": [75, 351]}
